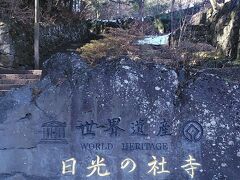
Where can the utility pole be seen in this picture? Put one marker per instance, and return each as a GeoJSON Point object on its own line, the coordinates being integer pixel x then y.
{"type": "Point", "coordinates": [36, 35]}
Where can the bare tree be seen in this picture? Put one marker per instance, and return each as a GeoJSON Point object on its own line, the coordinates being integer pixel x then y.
{"type": "Point", "coordinates": [15, 9]}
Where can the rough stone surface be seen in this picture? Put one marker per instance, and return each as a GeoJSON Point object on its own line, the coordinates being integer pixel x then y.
{"type": "Point", "coordinates": [226, 28]}
{"type": "Point", "coordinates": [73, 92]}
{"type": "Point", "coordinates": [16, 45]}
{"type": "Point", "coordinates": [6, 46]}
{"type": "Point", "coordinates": [222, 28]}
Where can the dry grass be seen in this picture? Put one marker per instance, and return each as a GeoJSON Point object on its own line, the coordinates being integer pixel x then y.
{"type": "Point", "coordinates": [119, 42]}
{"type": "Point", "coordinates": [116, 42]}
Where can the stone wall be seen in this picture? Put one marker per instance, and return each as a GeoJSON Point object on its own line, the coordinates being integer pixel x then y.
{"type": "Point", "coordinates": [6, 46]}
{"type": "Point", "coordinates": [18, 41]}
{"type": "Point", "coordinates": [62, 34]}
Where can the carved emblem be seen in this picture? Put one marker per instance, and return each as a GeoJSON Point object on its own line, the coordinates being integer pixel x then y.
{"type": "Point", "coordinates": [192, 131]}
{"type": "Point", "coordinates": [53, 132]}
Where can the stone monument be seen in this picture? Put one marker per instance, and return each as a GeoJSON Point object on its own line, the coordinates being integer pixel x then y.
{"type": "Point", "coordinates": [121, 120]}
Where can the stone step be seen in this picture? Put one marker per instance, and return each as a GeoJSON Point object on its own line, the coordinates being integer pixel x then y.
{"type": "Point", "coordinates": [9, 86]}
{"type": "Point", "coordinates": [18, 81]}
{"type": "Point", "coordinates": [13, 71]}
{"type": "Point", "coordinates": [19, 76]}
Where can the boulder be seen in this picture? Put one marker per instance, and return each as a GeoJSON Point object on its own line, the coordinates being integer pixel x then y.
{"type": "Point", "coordinates": [118, 113]}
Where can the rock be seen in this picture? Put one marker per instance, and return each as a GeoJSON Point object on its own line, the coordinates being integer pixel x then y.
{"type": "Point", "coordinates": [120, 109]}
{"type": "Point", "coordinates": [223, 28]}
{"type": "Point", "coordinates": [214, 102]}
{"type": "Point", "coordinates": [199, 18]}
{"type": "Point", "coordinates": [226, 27]}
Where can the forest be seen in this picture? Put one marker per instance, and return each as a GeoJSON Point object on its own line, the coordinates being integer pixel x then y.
{"type": "Point", "coordinates": [96, 9]}
{"type": "Point", "coordinates": [196, 32]}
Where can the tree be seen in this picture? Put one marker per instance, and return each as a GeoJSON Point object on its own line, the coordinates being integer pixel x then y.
{"type": "Point", "coordinates": [97, 6]}
{"type": "Point", "coordinates": [15, 9]}
{"type": "Point", "coordinates": [120, 3]}
{"type": "Point", "coordinates": [140, 6]}
{"type": "Point", "coordinates": [156, 7]}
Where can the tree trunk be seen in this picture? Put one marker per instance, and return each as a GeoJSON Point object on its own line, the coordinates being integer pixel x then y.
{"type": "Point", "coordinates": [141, 10]}
{"type": "Point", "coordinates": [75, 5]}
{"type": "Point", "coordinates": [215, 5]}
{"type": "Point", "coordinates": [119, 9]}
{"type": "Point", "coordinates": [172, 19]}
{"type": "Point", "coordinates": [49, 5]}
{"type": "Point", "coordinates": [36, 35]}
{"type": "Point", "coordinates": [182, 30]}
{"type": "Point", "coordinates": [70, 5]}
